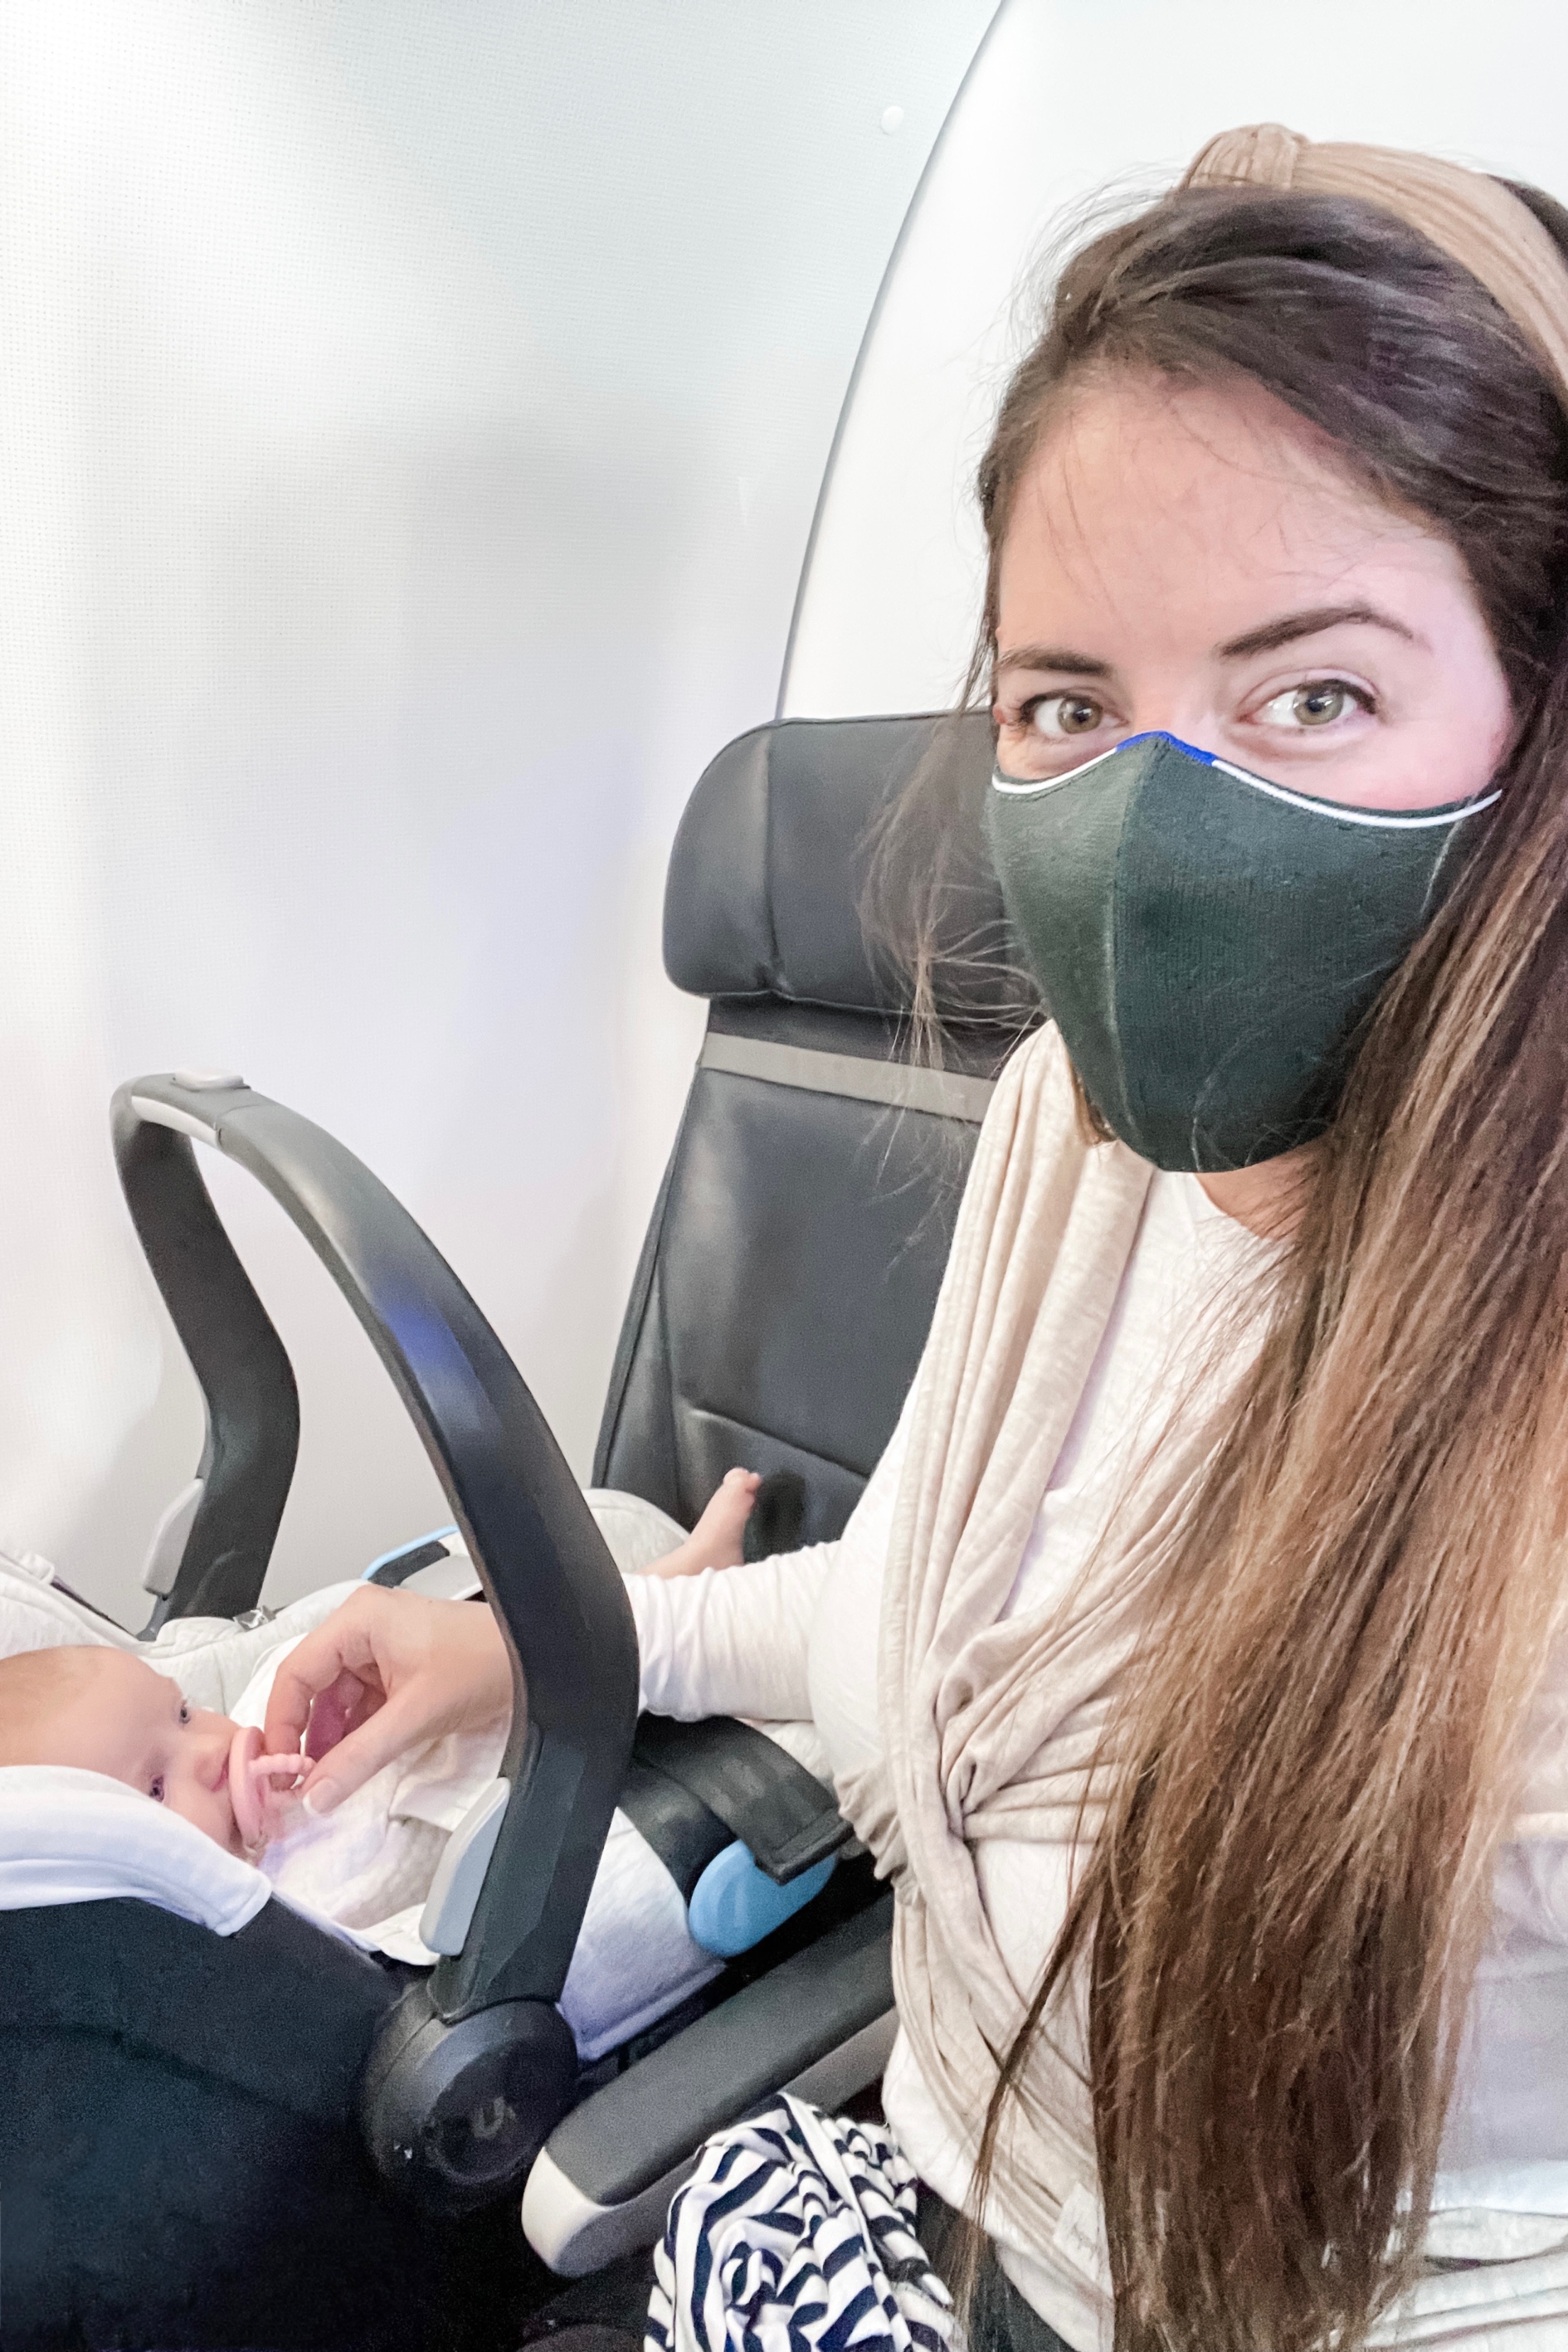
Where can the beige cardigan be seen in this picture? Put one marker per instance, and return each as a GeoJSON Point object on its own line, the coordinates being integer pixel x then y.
{"type": "Point", "coordinates": [987, 1727]}
{"type": "Point", "coordinates": [991, 1723]}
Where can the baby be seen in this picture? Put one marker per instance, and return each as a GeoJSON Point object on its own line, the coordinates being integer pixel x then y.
{"type": "Point", "coordinates": [104, 1710]}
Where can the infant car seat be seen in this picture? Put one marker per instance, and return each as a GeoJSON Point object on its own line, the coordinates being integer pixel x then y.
{"type": "Point", "coordinates": [206, 2136]}
{"type": "Point", "coordinates": [268, 2137]}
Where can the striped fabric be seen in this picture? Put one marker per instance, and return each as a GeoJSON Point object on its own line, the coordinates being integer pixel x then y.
{"type": "Point", "coordinates": [796, 2233]}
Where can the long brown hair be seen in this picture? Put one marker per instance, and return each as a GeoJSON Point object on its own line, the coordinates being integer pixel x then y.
{"type": "Point", "coordinates": [1280, 1922]}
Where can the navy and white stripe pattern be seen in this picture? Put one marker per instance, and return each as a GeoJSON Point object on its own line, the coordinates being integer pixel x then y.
{"type": "Point", "coordinates": [796, 2233]}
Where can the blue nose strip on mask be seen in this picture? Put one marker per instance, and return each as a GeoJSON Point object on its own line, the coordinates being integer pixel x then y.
{"type": "Point", "coordinates": [1208, 942]}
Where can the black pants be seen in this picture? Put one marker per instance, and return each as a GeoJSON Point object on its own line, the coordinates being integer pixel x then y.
{"type": "Point", "coordinates": [1000, 2320]}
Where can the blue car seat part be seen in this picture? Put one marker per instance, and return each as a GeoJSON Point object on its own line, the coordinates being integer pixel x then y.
{"type": "Point", "coordinates": [734, 1904]}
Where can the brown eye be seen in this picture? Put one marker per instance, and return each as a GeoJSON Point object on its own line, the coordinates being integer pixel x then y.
{"type": "Point", "coordinates": [1322, 704]}
{"type": "Point", "coordinates": [1066, 714]}
{"type": "Point", "coordinates": [1319, 706]}
{"type": "Point", "coordinates": [156, 1791]}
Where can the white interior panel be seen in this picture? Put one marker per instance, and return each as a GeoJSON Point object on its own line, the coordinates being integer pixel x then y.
{"type": "Point", "coordinates": [412, 418]}
{"type": "Point", "coordinates": [1071, 100]}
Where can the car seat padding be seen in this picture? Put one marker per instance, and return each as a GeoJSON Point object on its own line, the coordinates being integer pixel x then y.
{"type": "Point", "coordinates": [211, 2082]}
{"type": "Point", "coordinates": [72, 1837]}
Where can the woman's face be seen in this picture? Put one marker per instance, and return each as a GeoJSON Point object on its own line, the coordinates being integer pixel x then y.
{"type": "Point", "coordinates": [1190, 559]}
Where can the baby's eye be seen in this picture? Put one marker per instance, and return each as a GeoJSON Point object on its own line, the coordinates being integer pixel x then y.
{"type": "Point", "coordinates": [1318, 705]}
{"type": "Point", "coordinates": [1060, 714]}
{"type": "Point", "coordinates": [185, 1710]}
{"type": "Point", "coordinates": [156, 1791]}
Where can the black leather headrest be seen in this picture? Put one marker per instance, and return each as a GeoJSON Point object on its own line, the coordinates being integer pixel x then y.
{"type": "Point", "coordinates": [766, 879]}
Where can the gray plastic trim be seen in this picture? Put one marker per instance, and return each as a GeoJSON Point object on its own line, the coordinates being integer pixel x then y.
{"type": "Point", "coordinates": [928, 174]}
{"type": "Point", "coordinates": [455, 1889]}
{"type": "Point", "coordinates": [453, 1579]}
{"type": "Point", "coordinates": [576, 2237]}
{"type": "Point", "coordinates": [820, 2023]}
{"type": "Point", "coordinates": [943, 1093]}
{"type": "Point", "coordinates": [167, 1548]}
{"type": "Point", "coordinates": [183, 1122]}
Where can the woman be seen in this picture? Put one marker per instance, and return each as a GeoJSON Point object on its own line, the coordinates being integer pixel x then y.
{"type": "Point", "coordinates": [1192, 1661]}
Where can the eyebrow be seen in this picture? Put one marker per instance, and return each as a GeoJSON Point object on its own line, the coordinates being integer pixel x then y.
{"type": "Point", "coordinates": [1266, 639]}
{"type": "Point", "coordinates": [1051, 657]}
{"type": "Point", "coordinates": [1290, 626]}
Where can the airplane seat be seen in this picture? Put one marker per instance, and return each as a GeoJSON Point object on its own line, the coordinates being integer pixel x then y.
{"type": "Point", "coordinates": [783, 1297]}
{"type": "Point", "coordinates": [792, 1264]}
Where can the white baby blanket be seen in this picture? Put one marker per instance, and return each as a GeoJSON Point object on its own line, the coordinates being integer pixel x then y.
{"type": "Point", "coordinates": [80, 1837]}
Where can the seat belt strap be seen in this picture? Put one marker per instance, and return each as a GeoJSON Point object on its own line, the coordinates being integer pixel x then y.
{"type": "Point", "coordinates": [786, 1817]}
{"type": "Point", "coordinates": [683, 1832]}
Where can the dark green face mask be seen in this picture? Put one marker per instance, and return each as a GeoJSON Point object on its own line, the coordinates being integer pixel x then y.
{"type": "Point", "coordinates": [1208, 942]}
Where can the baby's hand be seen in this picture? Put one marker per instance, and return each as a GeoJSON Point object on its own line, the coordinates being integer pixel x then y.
{"type": "Point", "coordinates": [260, 1805]}
{"type": "Point", "coordinates": [716, 1540]}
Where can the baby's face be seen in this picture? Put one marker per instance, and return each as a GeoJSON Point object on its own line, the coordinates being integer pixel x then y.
{"type": "Point", "coordinates": [126, 1719]}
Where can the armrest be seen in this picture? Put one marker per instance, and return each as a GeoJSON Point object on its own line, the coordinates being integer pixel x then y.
{"type": "Point", "coordinates": [820, 2023]}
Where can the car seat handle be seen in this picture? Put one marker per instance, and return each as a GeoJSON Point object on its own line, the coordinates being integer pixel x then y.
{"type": "Point", "coordinates": [546, 1571]}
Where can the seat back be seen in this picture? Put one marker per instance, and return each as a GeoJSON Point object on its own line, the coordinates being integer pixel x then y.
{"type": "Point", "coordinates": [793, 1261]}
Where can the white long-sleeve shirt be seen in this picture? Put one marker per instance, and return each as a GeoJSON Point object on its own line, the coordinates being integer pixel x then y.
{"type": "Point", "coordinates": [795, 1636]}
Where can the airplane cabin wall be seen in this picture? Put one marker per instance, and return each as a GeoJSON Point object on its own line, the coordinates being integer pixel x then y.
{"type": "Point", "coordinates": [1076, 108]}
{"type": "Point", "coordinates": [411, 420]}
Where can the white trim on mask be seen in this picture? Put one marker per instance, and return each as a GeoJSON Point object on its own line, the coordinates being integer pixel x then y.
{"type": "Point", "coordinates": [1381, 819]}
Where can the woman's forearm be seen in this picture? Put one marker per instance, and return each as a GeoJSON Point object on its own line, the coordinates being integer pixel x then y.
{"type": "Point", "coordinates": [734, 1640]}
